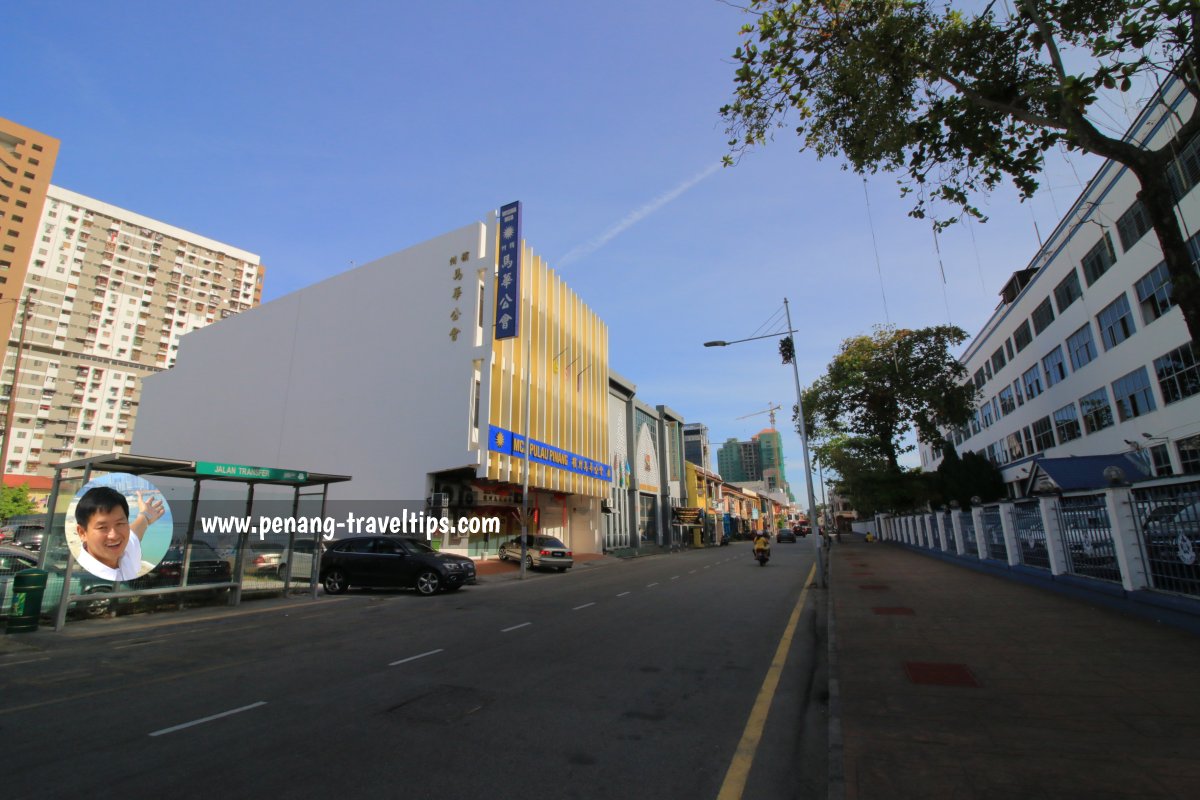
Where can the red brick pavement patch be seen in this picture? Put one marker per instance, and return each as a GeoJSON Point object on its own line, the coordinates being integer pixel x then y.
{"type": "Point", "coordinates": [935, 674]}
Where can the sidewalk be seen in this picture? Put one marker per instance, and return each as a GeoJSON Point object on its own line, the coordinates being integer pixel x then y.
{"type": "Point", "coordinates": [958, 684]}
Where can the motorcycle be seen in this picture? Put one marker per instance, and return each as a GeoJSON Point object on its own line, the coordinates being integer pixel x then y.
{"type": "Point", "coordinates": [763, 556]}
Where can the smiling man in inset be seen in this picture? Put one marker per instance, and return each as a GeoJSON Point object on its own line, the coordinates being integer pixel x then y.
{"type": "Point", "coordinates": [102, 522]}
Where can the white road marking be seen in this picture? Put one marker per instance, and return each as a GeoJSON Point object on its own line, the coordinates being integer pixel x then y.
{"type": "Point", "coordinates": [708, 566]}
{"type": "Point", "coordinates": [674, 577]}
{"type": "Point", "coordinates": [414, 658]}
{"type": "Point", "coordinates": [26, 661]}
{"type": "Point", "coordinates": [174, 728]}
{"type": "Point", "coordinates": [514, 627]}
{"type": "Point", "coordinates": [622, 594]}
{"type": "Point", "coordinates": [585, 605]}
{"type": "Point", "coordinates": [691, 572]}
{"type": "Point", "coordinates": [648, 585]}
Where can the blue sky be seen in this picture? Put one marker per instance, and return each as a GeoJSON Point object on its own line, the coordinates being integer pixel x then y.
{"type": "Point", "coordinates": [324, 135]}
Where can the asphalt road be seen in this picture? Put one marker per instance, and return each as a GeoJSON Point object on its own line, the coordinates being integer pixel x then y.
{"type": "Point", "coordinates": [631, 680]}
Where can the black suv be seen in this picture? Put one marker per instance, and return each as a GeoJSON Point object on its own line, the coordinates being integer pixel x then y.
{"type": "Point", "coordinates": [393, 561]}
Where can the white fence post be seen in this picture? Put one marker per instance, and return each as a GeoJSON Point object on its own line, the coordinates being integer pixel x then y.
{"type": "Point", "coordinates": [1011, 546]}
{"type": "Point", "coordinates": [941, 523]}
{"type": "Point", "coordinates": [1130, 557]}
{"type": "Point", "coordinates": [956, 519]}
{"type": "Point", "coordinates": [1055, 547]}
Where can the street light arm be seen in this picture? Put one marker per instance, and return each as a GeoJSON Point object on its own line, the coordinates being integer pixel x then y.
{"type": "Point", "coordinates": [723, 343]}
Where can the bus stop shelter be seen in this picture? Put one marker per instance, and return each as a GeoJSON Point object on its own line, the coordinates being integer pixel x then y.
{"type": "Point", "coordinates": [198, 472]}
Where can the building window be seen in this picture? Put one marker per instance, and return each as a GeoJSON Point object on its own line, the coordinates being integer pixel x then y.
{"type": "Point", "coordinates": [1178, 374]}
{"type": "Point", "coordinates": [1067, 291]}
{"type": "Point", "coordinates": [975, 422]}
{"type": "Point", "coordinates": [1043, 434]}
{"type": "Point", "coordinates": [1054, 366]}
{"type": "Point", "coordinates": [998, 360]}
{"type": "Point", "coordinates": [1098, 260]}
{"type": "Point", "coordinates": [1007, 404]}
{"type": "Point", "coordinates": [1017, 393]}
{"type": "Point", "coordinates": [1116, 322]}
{"type": "Point", "coordinates": [1133, 395]}
{"type": "Point", "coordinates": [1066, 424]}
{"type": "Point", "coordinates": [980, 378]}
{"type": "Point", "coordinates": [1160, 458]}
{"type": "Point", "coordinates": [1097, 413]}
{"type": "Point", "coordinates": [1022, 336]}
{"type": "Point", "coordinates": [986, 413]}
{"type": "Point", "coordinates": [1154, 293]}
{"type": "Point", "coordinates": [1189, 455]}
{"type": "Point", "coordinates": [1013, 442]}
{"type": "Point", "coordinates": [1081, 346]}
{"type": "Point", "coordinates": [1042, 316]}
{"type": "Point", "coordinates": [1132, 225]}
{"type": "Point", "coordinates": [1184, 171]}
{"type": "Point", "coordinates": [1033, 379]}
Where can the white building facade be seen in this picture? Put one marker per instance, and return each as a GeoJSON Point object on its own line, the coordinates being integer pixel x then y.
{"type": "Point", "coordinates": [1086, 355]}
{"type": "Point", "coordinates": [391, 373]}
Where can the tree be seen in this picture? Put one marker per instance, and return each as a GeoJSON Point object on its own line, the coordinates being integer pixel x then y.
{"type": "Point", "coordinates": [14, 501]}
{"type": "Point", "coordinates": [861, 475]}
{"type": "Point", "coordinates": [881, 387]}
{"type": "Point", "coordinates": [961, 102]}
{"type": "Point", "coordinates": [960, 479]}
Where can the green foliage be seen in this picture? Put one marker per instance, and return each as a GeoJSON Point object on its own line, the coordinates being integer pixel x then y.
{"type": "Point", "coordinates": [959, 102]}
{"type": "Point", "coordinates": [883, 386]}
{"type": "Point", "coordinates": [960, 479]}
{"type": "Point", "coordinates": [15, 501]}
{"type": "Point", "coordinates": [867, 482]}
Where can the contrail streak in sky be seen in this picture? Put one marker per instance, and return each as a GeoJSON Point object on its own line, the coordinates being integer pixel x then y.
{"type": "Point", "coordinates": [632, 218]}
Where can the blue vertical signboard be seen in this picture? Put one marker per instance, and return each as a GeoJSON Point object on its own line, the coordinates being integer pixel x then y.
{"type": "Point", "coordinates": [508, 276]}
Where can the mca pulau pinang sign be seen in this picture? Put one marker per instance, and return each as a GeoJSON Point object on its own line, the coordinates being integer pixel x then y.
{"type": "Point", "coordinates": [510, 444]}
{"type": "Point", "coordinates": [246, 472]}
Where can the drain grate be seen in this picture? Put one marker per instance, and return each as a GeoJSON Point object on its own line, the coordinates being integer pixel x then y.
{"type": "Point", "coordinates": [898, 611]}
{"type": "Point", "coordinates": [935, 674]}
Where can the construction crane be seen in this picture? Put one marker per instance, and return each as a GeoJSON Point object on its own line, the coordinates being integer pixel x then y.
{"type": "Point", "coordinates": [770, 410]}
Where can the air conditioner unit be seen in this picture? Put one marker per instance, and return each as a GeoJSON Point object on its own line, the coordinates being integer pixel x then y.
{"type": "Point", "coordinates": [439, 500]}
{"type": "Point", "coordinates": [468, 497]}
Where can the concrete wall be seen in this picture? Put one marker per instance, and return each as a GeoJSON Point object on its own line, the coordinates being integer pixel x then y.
{"type": "Point", "coordinates": [354, 375]}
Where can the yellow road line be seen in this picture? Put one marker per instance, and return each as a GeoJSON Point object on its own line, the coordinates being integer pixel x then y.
{"type": "Point", "coordinates": [743, 757]}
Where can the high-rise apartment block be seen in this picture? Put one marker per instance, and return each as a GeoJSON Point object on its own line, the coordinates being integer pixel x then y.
{"type": "Point", "coordinates": [26, 163]}
{"type": "Point", "coordinates": [106, 295]}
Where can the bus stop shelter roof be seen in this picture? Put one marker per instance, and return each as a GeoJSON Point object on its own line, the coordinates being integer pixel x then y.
{"type": "Point", "coordinates": [176, 468]}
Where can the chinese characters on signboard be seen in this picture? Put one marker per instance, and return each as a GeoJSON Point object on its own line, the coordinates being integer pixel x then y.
{"type": "Point", "coordinates": [508, 276]}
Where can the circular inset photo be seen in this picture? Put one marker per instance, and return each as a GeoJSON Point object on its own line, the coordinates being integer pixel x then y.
{"type": "Point", "coordinates": [118, 526]}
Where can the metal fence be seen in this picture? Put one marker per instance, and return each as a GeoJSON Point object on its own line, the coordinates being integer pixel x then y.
{"type": "Point", "coordinates": [1168, 522]}
{"type": "Point", "coordinates": [1031, 534]}
{"type": "Point", "coordinates": [994, 533]}
{"type": "Point", "coordinates": [1152, 543]}
{"type": "Point", "coordinates": [1087, 537]}
{"type": "Point", "coordinates": [970, 543]}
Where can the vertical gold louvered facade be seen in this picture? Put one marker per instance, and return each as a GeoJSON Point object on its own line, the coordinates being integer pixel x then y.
{"type": "Point", "coordinates": [568, 356]}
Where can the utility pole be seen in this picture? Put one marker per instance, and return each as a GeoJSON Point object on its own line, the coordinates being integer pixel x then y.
{"type": "Point", "coordinates": [812, 500]}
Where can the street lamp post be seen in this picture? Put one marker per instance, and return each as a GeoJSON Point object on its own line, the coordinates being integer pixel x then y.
{"type": "Point", "coordinates": [812, 501]}
{"type": "Point", "coordinates": [12, 392]}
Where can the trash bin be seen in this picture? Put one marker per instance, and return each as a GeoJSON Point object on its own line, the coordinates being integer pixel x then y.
{"type": "Point", "coordinates": [29, 585]}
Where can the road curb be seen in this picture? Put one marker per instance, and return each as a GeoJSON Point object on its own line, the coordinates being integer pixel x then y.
{"type": "Point", "coordinates": [837, 767]}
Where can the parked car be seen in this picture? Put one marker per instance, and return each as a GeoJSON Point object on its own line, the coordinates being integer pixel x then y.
{"type": "Point", "coordinates": [540, 551]}
{"type": "Point", "coordinates": [206, 566]}
{"type": "Point", "coordinates": [387, 561]}
{"type": "Point", "coordinates": [786, 535]}
{"type": "Point", "coordinates": [301, 560]}
{"type": "Point", "coordinates": [29, 536]}
{"type": "Point", "coordinates": [1175, 540]}
{"type": "Point", "coordinates": [263, 558]}
{"type": "Point", "coordinates": [13, 559]}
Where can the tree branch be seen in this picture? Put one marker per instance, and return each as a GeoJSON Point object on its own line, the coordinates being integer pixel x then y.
{"type": "Point", "coordinates": [1047, 39]}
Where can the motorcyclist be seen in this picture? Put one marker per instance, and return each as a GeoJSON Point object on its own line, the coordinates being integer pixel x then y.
{"type": "Point", "coordinates": [762, 542]}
